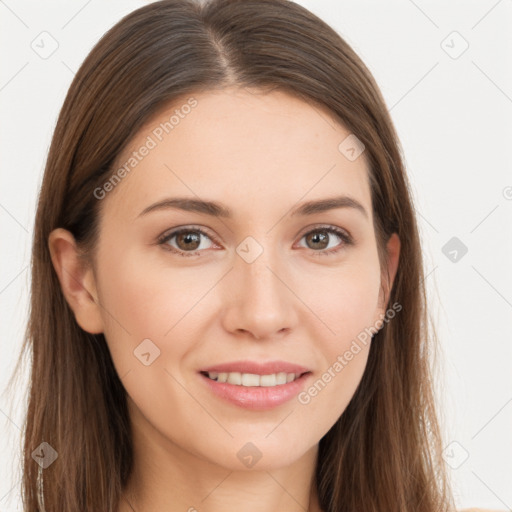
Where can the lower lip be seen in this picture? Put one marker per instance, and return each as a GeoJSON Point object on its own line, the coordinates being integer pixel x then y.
{"type": "Point", "coordinates": [258, 398]}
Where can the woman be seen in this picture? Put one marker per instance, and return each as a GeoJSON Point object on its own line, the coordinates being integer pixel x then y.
{"type": "Point", "coordinates": [227, 305]}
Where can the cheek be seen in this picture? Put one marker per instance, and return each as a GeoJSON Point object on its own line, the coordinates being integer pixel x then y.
{"type": "Point", "coordinates": [345, 303]}
{"type": "Point", "coordinates": [144, 302]}
{"type": "Point", "coordinates": [141, 302]}
{"type": "Point", "coordinates": [343, 348]}
{"type": "Point", "coordinates": [147, 299]}
{"type": "Point", "coordinates": [343, 299]}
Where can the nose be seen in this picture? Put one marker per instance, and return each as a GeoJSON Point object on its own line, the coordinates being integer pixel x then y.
{"type": "Point", "coordinates": [260, 298]}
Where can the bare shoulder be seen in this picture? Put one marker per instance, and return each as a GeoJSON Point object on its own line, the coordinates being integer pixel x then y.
{"type": "Point", "coordinates": [480, 510]}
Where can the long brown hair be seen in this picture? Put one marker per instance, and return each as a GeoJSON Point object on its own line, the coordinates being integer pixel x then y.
{"type": "Point", "coordinates": [384, 452]}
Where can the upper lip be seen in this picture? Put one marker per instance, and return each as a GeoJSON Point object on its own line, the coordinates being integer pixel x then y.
{"type": "Point", "coordinates": [257, 368]}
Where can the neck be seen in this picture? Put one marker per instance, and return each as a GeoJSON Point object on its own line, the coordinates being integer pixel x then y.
{"type": "Point", "coordinates": [226, 502]}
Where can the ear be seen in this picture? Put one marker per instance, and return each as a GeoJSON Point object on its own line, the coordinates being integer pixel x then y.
{"type": "Point", "coordinates": [387, 280]}
{"type": "Point", "coordinates": [76, 280]}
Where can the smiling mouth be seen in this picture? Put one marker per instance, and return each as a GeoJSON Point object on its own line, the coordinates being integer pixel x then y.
{"type": "Point", "coordinates": [252, 379]}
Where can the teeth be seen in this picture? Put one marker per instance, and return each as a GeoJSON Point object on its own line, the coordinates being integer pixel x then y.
{"type": "Point", "coordinates": [235, 378]}
{"type": "Point", "coordinates": [251, 379]}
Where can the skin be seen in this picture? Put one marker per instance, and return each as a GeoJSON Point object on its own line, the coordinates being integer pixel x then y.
{"type": "Point", "coordinates": [260, 155]}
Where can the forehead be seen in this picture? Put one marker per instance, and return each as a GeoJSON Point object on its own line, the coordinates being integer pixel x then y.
{"type": "Point", "coordinates": [242, 148]}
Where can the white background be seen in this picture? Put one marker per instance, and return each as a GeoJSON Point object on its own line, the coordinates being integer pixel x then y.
{"type": "Point", "coordinates": [453, 116]}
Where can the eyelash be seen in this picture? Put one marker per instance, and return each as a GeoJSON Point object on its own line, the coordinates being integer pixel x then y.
{"type": "Point", "coordinates": [345, 237]}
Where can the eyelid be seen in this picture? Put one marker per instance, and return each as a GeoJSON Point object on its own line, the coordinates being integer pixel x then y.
{"type": "Point", "coordinates": [170, 233]}
{"type": "Point", "coordinates": [315, 227]}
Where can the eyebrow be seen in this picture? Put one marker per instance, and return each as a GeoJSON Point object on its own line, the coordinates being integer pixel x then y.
{"type": "Point", "coordinates": [216, 209]}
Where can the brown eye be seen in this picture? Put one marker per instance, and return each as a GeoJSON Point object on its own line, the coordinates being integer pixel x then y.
{"type": "Point", "coordinates": [318, 239]}
{"type": "Point", "coordinates": [187, 241]}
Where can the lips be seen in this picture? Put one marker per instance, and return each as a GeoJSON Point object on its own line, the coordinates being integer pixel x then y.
{"type": "Point", "coordinates": [256, 398]}
{"type": "Point", "coordinates": [256, 385]}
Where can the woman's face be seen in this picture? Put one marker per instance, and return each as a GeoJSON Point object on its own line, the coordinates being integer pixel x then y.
{"type": "Point", "coordinates": [252, 287]}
